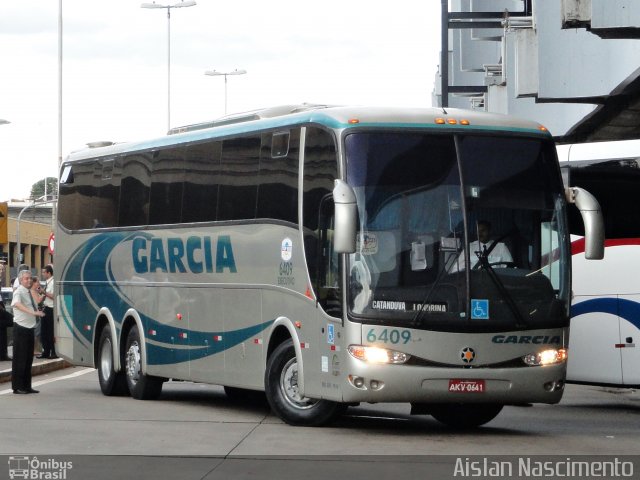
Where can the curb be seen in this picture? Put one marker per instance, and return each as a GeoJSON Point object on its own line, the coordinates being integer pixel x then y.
{"type": "Point", "coordinates": [39, 368]}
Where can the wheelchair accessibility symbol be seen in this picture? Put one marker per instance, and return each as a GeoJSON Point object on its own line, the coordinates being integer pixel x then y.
{"type": "Point", "coordinates": [479, 309]}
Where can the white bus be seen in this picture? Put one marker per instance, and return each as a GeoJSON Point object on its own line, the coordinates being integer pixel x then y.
{"type": "Point", "coordinates": [605, 323]}
{"type": "Point", "coordinates": [308, 252]}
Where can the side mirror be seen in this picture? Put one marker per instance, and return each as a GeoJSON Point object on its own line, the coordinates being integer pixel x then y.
{"type": "Point", "coordinates": [344, 236]}
{"type": "Point", "coordinates": [593, 221]}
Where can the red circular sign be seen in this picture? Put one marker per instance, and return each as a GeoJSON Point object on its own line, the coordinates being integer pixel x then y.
{"type": "Point", "coordinates": [51, 240]}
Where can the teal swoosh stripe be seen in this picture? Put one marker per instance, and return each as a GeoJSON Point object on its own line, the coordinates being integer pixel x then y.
{"type": "Point", "coordinates": [90, 266]}
{"type": "Point", "coordinates": [202, 343]}
{"type": "Point", "coordinates": [87, 265]}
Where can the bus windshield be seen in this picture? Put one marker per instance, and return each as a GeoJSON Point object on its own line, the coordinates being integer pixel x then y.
{"type": "Point", "coordinates": [457, 233]}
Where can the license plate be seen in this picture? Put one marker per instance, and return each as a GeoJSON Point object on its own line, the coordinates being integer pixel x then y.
{"type": "Point", "coordinates": [466, 386]}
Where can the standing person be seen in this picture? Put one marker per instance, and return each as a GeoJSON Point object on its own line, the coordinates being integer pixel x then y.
{"type": "Point", "coordinates": [25, 313]}
{"type": "Point", "coordinates": [38, 298]}
{"type": "Point", "coordinates": [15, 283]}
{"type": "Point", "coordinates": [46, 333]}
{"type": "Point", "coordinates": [3, 271]}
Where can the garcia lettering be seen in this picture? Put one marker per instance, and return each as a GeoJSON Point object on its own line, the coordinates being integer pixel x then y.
{"type": "Point", "coordinates": [528, 339]}
{"type": "Point", "coordinates": [171, 255]}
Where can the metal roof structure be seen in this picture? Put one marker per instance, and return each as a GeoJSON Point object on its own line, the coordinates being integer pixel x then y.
{"type": "Point", "coordinates": [572, 65]}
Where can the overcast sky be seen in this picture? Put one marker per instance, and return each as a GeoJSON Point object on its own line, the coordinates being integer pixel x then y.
{"type": "Point", "coordinates": [115, 67]}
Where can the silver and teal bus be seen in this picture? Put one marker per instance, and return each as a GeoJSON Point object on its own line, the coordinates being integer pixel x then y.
{"type": "Point", "coordinates": [317, 254]}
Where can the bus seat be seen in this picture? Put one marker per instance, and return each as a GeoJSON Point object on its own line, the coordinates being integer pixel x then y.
{"type": "Point", "coordinates": [519, 249]}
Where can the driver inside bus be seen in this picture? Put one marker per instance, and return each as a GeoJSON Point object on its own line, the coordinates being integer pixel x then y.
{"type": "Point", "coordinates": [497, 255]}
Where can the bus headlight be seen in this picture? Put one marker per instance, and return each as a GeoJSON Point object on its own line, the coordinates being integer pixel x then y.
{"type": "Point", "coordinates": [546, 357]}
{"type": "Point", "coordinates": [377, 354]}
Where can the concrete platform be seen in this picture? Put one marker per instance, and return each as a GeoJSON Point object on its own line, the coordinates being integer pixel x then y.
{"type": "Point", "coordinates": [40, 366]}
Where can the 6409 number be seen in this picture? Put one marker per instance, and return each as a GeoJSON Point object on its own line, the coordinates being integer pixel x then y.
{"type": "Point", "coordinates": [389, 335]}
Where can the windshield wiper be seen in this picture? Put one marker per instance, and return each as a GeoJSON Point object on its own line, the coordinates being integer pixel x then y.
{"type": "Point", "coordinates": [483, 263]}
{"type": "Point", "coordinates": [418, 316]}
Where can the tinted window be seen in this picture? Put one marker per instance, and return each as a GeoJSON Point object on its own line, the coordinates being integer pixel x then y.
{"type": "Point", "coordinates": [614, 184]}
{"type": "Point", "coordinates": [278, 188]}
{"type": "Point", "coordinates": [279, 144]}
{"type": "Point", "coordinates": [166, 186]}
{"type": "Point", "coordinates": [232, 179]}
{"type": "Point", "coordinates": [134, 190]}
{"type": "Point", "coordinates": [202, 176]}
{"type": "Point", "coordinates": [239, 186]}
{"type": "Point", "coordinates": [107, 194]}
{"type": "Point", "coordinates": [320, 171]}
{"type": "Point", "coordinates": [75, 196]}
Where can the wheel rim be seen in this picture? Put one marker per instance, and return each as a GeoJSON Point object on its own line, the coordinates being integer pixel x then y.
{"type": "Point", "coordinates": [133, 363]}
{"type": "Point", "coordinates": [106, 359]}
{"type": "Point", "coordinates": [289, 386]}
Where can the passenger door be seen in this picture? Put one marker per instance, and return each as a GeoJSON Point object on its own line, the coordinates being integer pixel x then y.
{"type": "Point", "coordinates": [594, 334]}
{"type": "Point", "coordinates": [629, 345]}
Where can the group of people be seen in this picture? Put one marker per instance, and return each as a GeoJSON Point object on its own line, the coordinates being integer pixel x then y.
{"type": "Point", "coordinates": [32, 307]}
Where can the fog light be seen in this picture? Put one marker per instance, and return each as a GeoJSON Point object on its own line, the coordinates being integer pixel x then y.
{"type": "Point", "coordinates": [553, 386]}
{"type": "Point", "coordinates": [357, 382]}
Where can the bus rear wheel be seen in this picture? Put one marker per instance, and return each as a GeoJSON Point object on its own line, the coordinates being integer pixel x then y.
{"type": "Point", "coordinates": [141, 386]}
{"type": "Point", "coordinates": [111, 382]}
{"type": "Point", "coordinates": [281, 387]}
{"type": "Point", "coordinates": [469, 415]}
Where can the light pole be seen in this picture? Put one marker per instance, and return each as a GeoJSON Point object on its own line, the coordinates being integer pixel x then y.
{"type": "Point", "coordinates": [169, 6]}
{"type": "Point", "coordinates": [215, 73]}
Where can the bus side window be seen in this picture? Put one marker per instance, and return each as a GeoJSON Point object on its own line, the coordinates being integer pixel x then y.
{"type": "Point", "coordinates": [320, 171]}
{"type": "Point", "coordinates": [201, 182]}
{"type": "Point", "coordinates": [167, 179]}
{"type": "Point", "coordinates": [134, 190]}
{"type": "Point", "coordinates": [238, 189]}
{"type": "Point", "coordinates": [329, 278]}
{"type": "Point", "coordinates": [278, 177]}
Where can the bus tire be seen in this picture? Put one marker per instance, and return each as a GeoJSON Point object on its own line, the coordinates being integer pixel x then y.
{"type": "Point", "coordinates": [141, 386]}
{"type": "Point", "coordinates": [281, 388]}
{"type": "Point", "coordinates": [469, 415]}
{"type": "Point", "coordinates": [112, 383]}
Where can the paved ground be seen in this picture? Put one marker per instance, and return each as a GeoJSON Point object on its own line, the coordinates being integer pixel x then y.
{"type": "Point", "coordinates": [40, 366]}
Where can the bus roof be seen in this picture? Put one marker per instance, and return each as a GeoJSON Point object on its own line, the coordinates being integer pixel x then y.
{"type": "Point", "coordinates": [340, 117]}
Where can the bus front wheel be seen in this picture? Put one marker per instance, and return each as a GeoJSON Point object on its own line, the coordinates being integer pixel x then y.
{"type": "Point", "coordinates": [469, 415]}
{"type": "Point", "coordinates": [281, 387]}
{"type": "Point", "coordinates": [141, 386]}
{"type": "Point", "coordinates": [111, 382]}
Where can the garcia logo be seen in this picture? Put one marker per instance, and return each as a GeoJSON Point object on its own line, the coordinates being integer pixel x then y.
{"type": "Point", "coordinates": [33, 468]}
{"type": "Point", "coordinates": [176, 254]}
{"type": "Point", "coordinates": [529, 339]}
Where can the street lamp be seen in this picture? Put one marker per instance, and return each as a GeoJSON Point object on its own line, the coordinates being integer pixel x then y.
{"type": "Point", "coordinates": [169, 6]}
{"type": "Point", "coordinates": [215, 73]}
